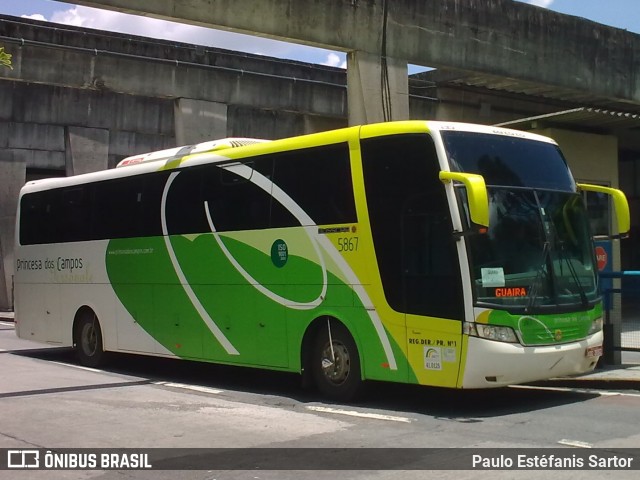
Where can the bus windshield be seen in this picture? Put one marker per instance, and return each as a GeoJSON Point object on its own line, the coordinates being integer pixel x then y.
{"type": "Point", "coordinates": [537, 254]}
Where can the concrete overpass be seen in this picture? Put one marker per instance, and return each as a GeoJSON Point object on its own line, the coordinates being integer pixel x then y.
{"type": "Point", "coordinates": [505, 44]}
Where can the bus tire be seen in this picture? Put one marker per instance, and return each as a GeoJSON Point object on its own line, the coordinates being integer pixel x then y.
{"type": "Point", "coordinates": [89, 347]}
{"type": "Point", "coordinates": [336, 372]}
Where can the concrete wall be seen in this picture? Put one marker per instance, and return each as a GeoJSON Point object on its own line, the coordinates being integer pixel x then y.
{"type": "Point", "coordinates": [487, 107]}
{"type": "Point", "coordinates": [80, 100]}
{"type": "Point", "coordinates": [111, 63]}
{"type": "Point", "coordinates": [591, 157]}
{"type": "Point", "coordinates": [12, 177]}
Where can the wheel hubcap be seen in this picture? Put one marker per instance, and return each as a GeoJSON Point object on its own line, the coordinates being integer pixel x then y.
{"type": "Point", "coordinates": [336, 370]}
{"type": "Point", "coordinates": [89, 340]}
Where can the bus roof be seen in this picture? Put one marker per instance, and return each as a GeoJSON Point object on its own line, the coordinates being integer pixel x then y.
{"type": "Point", "coordinates": [417, 126]}
{"type": "Point", "coordinates": [178, 152]}
{"type": "Point", "coordinates": [487, 129]}
{"type": "Point", "coordinates": [144, 163]}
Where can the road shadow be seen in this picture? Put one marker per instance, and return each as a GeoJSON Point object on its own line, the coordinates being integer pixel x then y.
{"type": "Point", "coordinates": [464, 406]}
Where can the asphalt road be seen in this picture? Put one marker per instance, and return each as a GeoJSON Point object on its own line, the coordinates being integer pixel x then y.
{"type": "Point", "coordinates": [47, 401]}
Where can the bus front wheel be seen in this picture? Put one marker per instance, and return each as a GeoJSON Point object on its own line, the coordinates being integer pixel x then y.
{"type": "Point", "coordinates": [89, 341]}
{"type": "Point", "coordinates": [335, 363]}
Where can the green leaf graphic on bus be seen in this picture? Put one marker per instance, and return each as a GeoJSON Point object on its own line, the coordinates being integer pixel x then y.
{"type": "Point", "coordinates": [257, 326]}
{"type": "Point", "coordinates": [548, 329]}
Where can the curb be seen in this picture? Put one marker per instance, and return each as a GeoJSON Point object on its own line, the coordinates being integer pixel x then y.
{"type": "Point", "coordinates": [623, 377]}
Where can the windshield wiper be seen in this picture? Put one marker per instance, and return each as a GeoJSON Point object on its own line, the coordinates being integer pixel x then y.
{"type": "Point", "coordinates": [533, 288]}
{"type": "Point", "coordinates": [559, 246]}
{"type": "Point", "coordinates": [574, 275]}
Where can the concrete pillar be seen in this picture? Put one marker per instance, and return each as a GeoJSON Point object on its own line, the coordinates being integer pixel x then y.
{"type": "Point", "coordinates": [198, 121]}
{"type": "Point", "coordinates": [87, 150]}
{"type": "Point", "coordinates": [13, 174]}
{"type": "Point", "coordinates": [377, 90]}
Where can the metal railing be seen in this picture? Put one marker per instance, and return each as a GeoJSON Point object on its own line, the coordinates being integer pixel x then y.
{"type": "Point", "coordinates": [627, 338]}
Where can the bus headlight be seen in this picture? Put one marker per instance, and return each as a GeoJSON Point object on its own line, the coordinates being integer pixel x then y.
{"type": "Point", "coordinates": [491, 332]}
{"type": "Point", "coordinates": [596, 326]}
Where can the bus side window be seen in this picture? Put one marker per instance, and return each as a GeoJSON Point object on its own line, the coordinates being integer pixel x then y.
{"type": "Point", "coordinates": [32, 218]}
{"type": "Point", "coordinates": [318, 179]}
{"type": "Point", "coordinates": [149, 199]}
{"type": "Point", "coordinates": [235, 203]}
{"type": "Point", "coordinates": [76, 214]}
{"type": "Point", "coordinates": [126, 207]}
{"type": "Point", "coordinates": [184, 210]}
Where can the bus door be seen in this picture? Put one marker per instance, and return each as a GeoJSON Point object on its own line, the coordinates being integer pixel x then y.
{"type": "Point", "coordinates": [415, 250]}
{"type": "Point", "coordinates": [432, 292]}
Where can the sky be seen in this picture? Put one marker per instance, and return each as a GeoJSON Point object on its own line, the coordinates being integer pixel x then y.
{"type": "Point", "coordinates": [623, 14]}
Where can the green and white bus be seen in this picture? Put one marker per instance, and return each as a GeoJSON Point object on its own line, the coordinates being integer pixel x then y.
{"type": "Point", "coordinates": [419, 252]}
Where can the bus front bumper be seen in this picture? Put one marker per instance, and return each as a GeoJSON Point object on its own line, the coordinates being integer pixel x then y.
{"type": "Point", "coordinates": [497, 364]}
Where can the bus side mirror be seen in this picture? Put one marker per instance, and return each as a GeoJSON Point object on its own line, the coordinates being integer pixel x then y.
{"type": "Point", "coordinates": [619, 202]}
{"type": "Point", "coordinates": [476, 193]}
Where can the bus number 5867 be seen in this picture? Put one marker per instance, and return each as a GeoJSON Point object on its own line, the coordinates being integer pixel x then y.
{"type": "Point", "coordinates": [348, 244]}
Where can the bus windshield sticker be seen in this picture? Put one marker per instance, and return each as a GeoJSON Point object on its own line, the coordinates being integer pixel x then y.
{"type": "Point", "coordinates": [493, 277]}
{"type": "Point", "coordinates": [432, 358]}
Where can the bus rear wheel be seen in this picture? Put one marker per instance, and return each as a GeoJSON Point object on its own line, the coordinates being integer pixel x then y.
{"type": "Point", "coordinates": [335, 363]}
{"type": "Point", "coordinates": [89, 347]}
